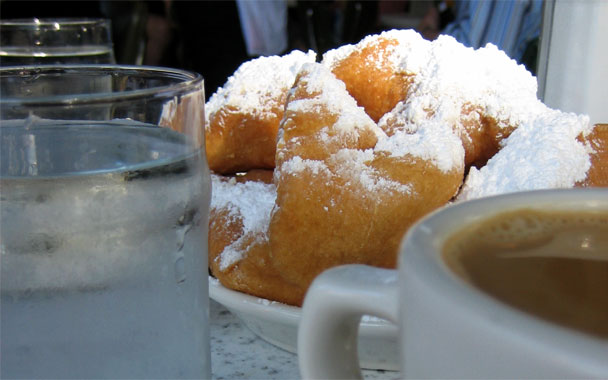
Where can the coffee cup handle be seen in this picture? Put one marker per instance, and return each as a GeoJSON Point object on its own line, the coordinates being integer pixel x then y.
{"type": "Point", "coordinates": [332, 310]}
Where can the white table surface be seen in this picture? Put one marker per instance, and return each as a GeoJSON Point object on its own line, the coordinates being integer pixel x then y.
{"type": "Point", "coordinates": [237, 353]}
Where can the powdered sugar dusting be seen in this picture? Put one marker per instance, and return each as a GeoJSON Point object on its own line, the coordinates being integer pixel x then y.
{"type": "Point", "coordinates": [433, 141]}
{"type": "Point", "coordinates": [351, 164]}
{"type": "Point", "coordinates": [402, 58]}
{"type": "Point", "coordinates": [258, 84]}
{"type": "Point", "coordinates": [354, 164]}
{"type": "Point", "coordinates": [542, 153]}
{"type": "Point", "coordinates": [250, 201]}
{"type": "Point", "coordinates": [330, 95]}
{"type": "Point", "coordinates": [296, 165]}
{"type": "Point", "coordinates": [449, 77]}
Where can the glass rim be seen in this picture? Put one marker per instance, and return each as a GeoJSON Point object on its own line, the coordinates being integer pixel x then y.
{"type": "Point", "coordinates": [35, 22]}
{"type": "Point", "coordinates": [187, 80]}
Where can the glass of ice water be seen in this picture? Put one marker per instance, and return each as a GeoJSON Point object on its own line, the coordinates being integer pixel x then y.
{"type": "Point", "coordinates": [55, 41]}
{"type": "Point", "coordinates": [103, 223]}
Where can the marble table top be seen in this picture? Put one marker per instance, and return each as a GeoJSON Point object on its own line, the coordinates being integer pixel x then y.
{"type": "Point", "coordinates": [237, 353]}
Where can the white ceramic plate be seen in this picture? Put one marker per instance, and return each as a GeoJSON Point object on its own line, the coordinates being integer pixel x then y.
{"type": "Point", "coordinates": [277, 323]}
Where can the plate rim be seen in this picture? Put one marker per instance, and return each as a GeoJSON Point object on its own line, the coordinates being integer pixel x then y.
{"type": "Point", "coordinates": [279, 312]}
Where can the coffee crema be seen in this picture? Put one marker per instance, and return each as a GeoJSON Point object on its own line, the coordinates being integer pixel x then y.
{"type": "Point", "coordinates": [550, 264]}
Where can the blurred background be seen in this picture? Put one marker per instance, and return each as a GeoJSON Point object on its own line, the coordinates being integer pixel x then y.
{"type": "Point", "coordinates": [215, 37]}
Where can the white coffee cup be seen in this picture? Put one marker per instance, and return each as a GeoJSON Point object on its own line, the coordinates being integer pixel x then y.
{"type": "Point", "coordinates": [448, 329]}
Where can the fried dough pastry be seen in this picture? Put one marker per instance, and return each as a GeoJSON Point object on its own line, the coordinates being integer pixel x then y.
{"type": "Point", "coordinates": [342, 184]}
{"type": "Point", "coordinates": [239, 251]}
{"type": "Point", "coordinates": [439, 80]}
{"type": "Point", "coordinates": [372, 71]}
{"type": "Point", "coordinates": [349, 196]}
{"type": "Point", "coordinates": [243, 116]}
{"type": "Point", "coordinates": [375, 137]}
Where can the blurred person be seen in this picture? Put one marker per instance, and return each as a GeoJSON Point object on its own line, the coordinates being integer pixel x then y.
{"type": "Point", "coordinates": [512, 25]}
{"type": "Point", "coordinates": [128, 29]}
{"type": "Point", "coordinates": [160, 35]}
{"type": "Point", "coordinates": [264, 26]}
{"type": "Point", "coordinates": [215, 37]}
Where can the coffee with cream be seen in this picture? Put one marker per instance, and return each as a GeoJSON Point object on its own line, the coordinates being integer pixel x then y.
{"type": "Point", "coordinates": [550, 264]}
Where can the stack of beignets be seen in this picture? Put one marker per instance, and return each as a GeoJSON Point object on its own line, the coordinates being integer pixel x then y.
{"type": "Point", "coordinates": [370, 140]}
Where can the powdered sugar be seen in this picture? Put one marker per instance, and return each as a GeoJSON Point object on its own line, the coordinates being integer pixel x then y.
{"type": "Point", "coordinates": [449, 77]}
{"type": "Point", "coordinates": [542, 153]}
{"type": "Point", "coordinates": [327, 94]}
{"type": "Point", "coordinates": [404, 57]}
{"type": "Point", "coordinates": [251, 202]}
{"type": "Point", "coordinates": [486, 77]}
{"type": "Point", "coordinates": [355, 165]}
{"type": "Point", "coordinates": [434, 141]}
{"type": "Point", "coordinates": [352, 164]}
{"type": "Point", "coordinates": [330, 96]}
{"type": "Point", "coordinates": [296, 165]}
{"type": "Point", "coordinates": [258, 84]}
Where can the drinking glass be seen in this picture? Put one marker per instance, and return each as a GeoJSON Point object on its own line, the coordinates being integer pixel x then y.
{"type": "Point", "coordinates": [55, 41]}
{"type": "Point", "coordinates": [104, 211]}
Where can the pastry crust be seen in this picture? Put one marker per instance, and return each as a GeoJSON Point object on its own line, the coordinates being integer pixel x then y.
{"type": "Point", "coordinates": [239, 255]}
{"type": "Point", "coordinates": [597, 141]}
{"type": "Point", "coordinates": [242, 117]}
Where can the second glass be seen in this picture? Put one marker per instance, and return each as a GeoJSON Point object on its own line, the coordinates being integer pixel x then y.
{"type": "Point", "coordinates": [55, 41]}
